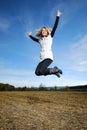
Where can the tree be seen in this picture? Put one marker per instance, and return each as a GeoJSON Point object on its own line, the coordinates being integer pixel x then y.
{"type": "Point", "coordinates": [42, 87]}
{"type": "Point", "coordinates": [6, 87]}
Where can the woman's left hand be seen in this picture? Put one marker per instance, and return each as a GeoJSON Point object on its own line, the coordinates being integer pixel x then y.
{"type": "Point", "coordinates": [59, 13]}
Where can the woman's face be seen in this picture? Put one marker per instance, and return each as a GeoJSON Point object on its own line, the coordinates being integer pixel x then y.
{"type": "Point", "coordinates": [44, 32]}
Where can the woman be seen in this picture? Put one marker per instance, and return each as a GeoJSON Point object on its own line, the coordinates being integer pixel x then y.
{"type": "Point", "coordinates": [46, 56]}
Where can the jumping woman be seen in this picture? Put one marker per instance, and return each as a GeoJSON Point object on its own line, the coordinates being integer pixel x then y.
{"type": "Point", "coordinates": [45, 37]}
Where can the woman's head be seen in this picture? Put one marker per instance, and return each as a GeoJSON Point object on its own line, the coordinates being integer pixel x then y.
{"type": "Point", "coordinates": [43, 32]}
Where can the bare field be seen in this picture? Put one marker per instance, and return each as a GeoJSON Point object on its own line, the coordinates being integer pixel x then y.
{"type": "Point", "coordinates": [43, 110]}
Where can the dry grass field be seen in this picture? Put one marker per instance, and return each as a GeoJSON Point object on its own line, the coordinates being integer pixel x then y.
{"type": "Point", "coordinates": [43, 110]}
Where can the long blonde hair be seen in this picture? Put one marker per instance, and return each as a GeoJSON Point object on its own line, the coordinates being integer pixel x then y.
{"type": "Point", "coordinates": [39, 31]}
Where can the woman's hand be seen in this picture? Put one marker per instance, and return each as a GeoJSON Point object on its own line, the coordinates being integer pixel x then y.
{"type": "Point", "coordinates": [59, 13]}
{"type": "Point", "coordinates": [29, 33]}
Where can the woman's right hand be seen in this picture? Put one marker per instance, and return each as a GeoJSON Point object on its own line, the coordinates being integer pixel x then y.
{"type": "Point", "coordinates": [29, 33]}
{"type": "Point", "coordinates": [59, 13]}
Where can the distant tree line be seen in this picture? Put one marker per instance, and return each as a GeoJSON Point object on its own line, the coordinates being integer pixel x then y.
{"type": "Point", "coordinates": [8, 87]}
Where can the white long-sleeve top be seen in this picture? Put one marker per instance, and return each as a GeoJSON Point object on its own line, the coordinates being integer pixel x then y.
{"type": "Point", "coordinates": [46, 43]}
{"type": "Point", "coordinates": [46, 48]}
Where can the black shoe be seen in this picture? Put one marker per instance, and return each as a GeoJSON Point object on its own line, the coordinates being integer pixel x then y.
{"type": "Point", "coordinates": [53, 70]}
{"type": "Point", "coordinates": [59, 70]}
{"type": "Point", "coordinates": [57, 74]}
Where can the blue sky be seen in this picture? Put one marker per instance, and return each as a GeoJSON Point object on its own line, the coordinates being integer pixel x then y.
{"type": "Point", "coordinates": [19, 55]}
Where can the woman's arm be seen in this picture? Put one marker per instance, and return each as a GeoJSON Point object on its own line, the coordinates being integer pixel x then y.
{"type": "Point", "coordinates": [33, 38]}
{"type": "Point", "coordinates": [56, 23]}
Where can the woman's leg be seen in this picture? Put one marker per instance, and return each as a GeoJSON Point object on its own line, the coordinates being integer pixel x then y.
{"type": "Point", "coordinates": [42, 68]}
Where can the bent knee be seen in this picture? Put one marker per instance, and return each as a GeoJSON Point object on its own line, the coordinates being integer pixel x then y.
{"type": "Point", "coordinates": [37, 73]}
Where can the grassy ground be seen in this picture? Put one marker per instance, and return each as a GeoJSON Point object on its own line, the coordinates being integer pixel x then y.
{"type": "Point", "coordinates": [43, 110]}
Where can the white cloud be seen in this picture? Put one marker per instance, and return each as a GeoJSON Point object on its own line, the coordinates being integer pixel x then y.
{"type": "Point", "coordinates": [77, 55]}
{"type": "Point", "coordinates": [18, 81]}
{"type": "Point", "coordinates": [20, 78]}
{"type": "Point", "coordinates": [26, 20]}
{"type": "Point", "coordinates": [71, 82]}
{"type": "Point", "coordinates": [15, 72]}
{"type": "Point", "coordinates": [69, 10]}
{"type": "Point", "coordinates": [4, 24]}
{"type": "Point", "coordinates": [16, 77]}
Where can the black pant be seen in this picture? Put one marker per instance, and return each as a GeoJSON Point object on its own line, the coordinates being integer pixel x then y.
{"type": "Point", "coordinates": [42, 67]}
